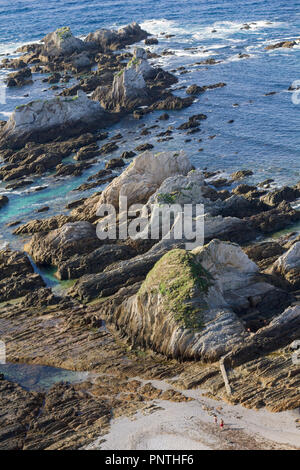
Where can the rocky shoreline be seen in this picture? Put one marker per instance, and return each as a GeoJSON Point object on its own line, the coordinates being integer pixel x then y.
{"type": "Point", "coordinates": [136, 307]}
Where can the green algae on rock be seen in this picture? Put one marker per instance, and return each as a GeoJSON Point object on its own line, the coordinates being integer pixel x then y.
{"type": "Point", "coordinates": [179, 277]}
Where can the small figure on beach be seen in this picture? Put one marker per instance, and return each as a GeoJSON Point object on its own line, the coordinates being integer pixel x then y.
{"type": "Point", "coordinates": [221, 424]}
{"type": "Point", "coordinates": [215, 419]}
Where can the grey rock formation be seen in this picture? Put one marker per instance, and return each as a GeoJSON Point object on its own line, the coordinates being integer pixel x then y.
{"type": "Point", "coordinates": [106, 39]}
{"type": "Point", "coordinates": [129, 89]}
{"type": "Point", "coordinates": [59, 245]}
{"type": "Point", "coordinates": [61, 42]}
{"type": "Point", "coordinates": [288, 266]}
{"type": "Point", "coordinates": [42, 120]}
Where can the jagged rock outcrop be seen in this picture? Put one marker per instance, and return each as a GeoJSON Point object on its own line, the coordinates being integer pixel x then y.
{"type": "Point", "coordinates": [17, 277]}
{"type": "Point", "coordinates": [143, 176]}
{"type": "Point", "coordinates": [129, 89]}
{"type": "Point", "coordinates": [42, 121]}
{"type": "Point", "coordinates": [59, 245]}
{"type": "Point", "coordinates": [274, 219]}
{"type": "Point", "coordinates": [117, 276]}
{"type": "Point", "coordinates": [191, 189]}
{"type": "Point", "coordinates": [41, 298]}
{"type": "Point", "coordinates": [42, 225]}
{"type": "Point", "coordinates": [20, 78]}
{"type": "Point", "coordinates": [265, 253]}
{"type": "Point", "coordinates": [61, 42]}
{"type": "Point", "coordinates": [280, 332]}
{"type": "Point", "coordinates": [227, 228]}
{"type": "Point", "coordinates": [283, 194]}
{"type": "Point", "coordinates": [288, 266]}
{"type": "Point", "coordinates": [38, 158]}
{"type": "Point", "coordinates": [107, 39]}
{"type": "Point", "coordinates": [94, 262]}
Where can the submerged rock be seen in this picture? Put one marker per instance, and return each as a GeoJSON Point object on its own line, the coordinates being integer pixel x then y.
{"type": "Point", "coordinates": [3, 201]}
{"type": "Point", "coordinates": [278, 45]}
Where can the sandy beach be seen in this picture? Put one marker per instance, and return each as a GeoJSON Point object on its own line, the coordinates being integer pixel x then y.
{"type": "Point", "coordinates": [190, 426]}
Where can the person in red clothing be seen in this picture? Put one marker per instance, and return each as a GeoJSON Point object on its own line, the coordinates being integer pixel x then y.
{"type": "Point", "coordinates": [221, 424]}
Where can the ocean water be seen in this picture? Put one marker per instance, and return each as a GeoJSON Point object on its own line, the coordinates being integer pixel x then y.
{"type": "Point", "coordinates": [265, 134]}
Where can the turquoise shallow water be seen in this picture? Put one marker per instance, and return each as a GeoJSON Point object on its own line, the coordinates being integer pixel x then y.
{"type": "Point", "coordinates": [39, 378]}
{"type": "Point", "coordinates": [265, 133]}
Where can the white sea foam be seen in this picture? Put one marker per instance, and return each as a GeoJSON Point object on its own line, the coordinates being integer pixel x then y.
{"type": "Point", "coordinates": [157, 26]}
{"type": "Point", "coordinates": [237, 58]}
{"type": "Point", "coordinates": [6, 114]}
{"type": "Point", "coordinates": [3, 245]}
{"type": "Point", "coordinates": [227, 28]}
{"type": "Point", "coordinates": [193, 53]}
{"type": "Point", "coordinates": [11, 47]}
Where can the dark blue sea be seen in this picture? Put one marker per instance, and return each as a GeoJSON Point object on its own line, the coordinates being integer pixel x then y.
{"type": "Point", "coordinates": [265, 134]}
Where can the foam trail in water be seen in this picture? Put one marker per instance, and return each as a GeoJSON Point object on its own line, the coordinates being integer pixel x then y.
{"type": "Point", "coordinates": [157, 26]}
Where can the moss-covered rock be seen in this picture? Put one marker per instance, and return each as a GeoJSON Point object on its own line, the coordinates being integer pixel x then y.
{"type": "Point", "coordinates": [180, 309]}
{"type": "Point", "coordinates": [178, 278]}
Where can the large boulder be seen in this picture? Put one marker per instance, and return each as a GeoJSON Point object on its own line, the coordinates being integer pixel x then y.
{"type": "Point", "coordinates": [17, 277]}
{"type": "Point", "coordinates": [180, 309]}
{"type": "Point", "coordinates": [144, 176]}
{"type": "Point", "coordinates": [265, 253]}
{"type": "Point", "coordinates": [42, 121]}
{"type": "Point", "coordinates": [288, 266]}
{"type": "Point", "coordinates": [20, 78]}
{"type": "Point", "coordinates": [191, 189]}
{"type": "Point", "coordinates": [74, 238]}
{"type": "Point", "coordinates": [191, 304]}
{"type": "Point", "coordinates": [61, 42]}
{"type": "Point", "coordinates": [283, 194]}
{"type": "Point", "coordinates": [106, 39]}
